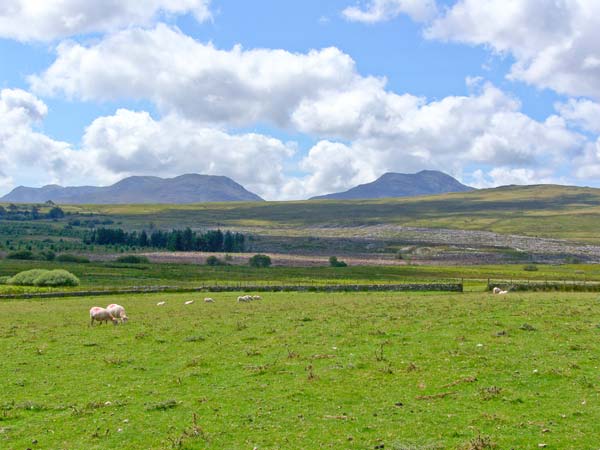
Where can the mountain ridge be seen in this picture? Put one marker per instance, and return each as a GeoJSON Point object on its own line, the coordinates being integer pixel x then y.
{"type": "Point", "coordinates": [183, 189]}
{"type": "Point", "coordinates": [394, 185]}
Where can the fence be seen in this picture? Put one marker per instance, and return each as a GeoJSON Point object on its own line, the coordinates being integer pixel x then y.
{"type": "Point", "coordinates": [415, 287]}
{"type": "Point", "coordinates": [544, 285]}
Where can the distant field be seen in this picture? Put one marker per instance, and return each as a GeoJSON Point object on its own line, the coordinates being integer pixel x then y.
{"type": "Point", "coordinates": [544, 211]}
{"type": "Point", "coordinates": [343, 371]}
{"type": "Point", "coordinates": [356, 228]}
{"type": "Point", "coordinates": [100, 275]}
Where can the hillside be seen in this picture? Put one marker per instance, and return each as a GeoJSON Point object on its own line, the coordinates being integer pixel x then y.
{"type": "Point", "coordinates": [390, 185]}
{"type": "Point", "coordinates": [192, 188]}
{"type": "Point", "coordinates": [543, 210]}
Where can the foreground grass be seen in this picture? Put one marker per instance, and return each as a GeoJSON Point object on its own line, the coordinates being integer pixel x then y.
{"type": "Point", "coordinates": [303, 371]}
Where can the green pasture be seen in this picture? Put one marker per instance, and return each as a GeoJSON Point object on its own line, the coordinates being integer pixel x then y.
{"type": "Point", "coordinates": [545, 211]}
{"type": "Point", "coordinates": [340, 371]}
{"type": "Point", "coordinates": [109, 275]}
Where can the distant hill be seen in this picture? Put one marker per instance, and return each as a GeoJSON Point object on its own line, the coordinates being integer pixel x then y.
{"type": "Point", "coordinates": [389, 185]}
{"type": "Point", "coordinates": [191, 188]}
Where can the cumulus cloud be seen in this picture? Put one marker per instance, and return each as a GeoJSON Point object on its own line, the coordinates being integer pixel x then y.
{"type": "Point", "coordinates": [192, 79]}
{"type": "Point", "coordinates": [588, 163]}
{"type": "Point", "coordinates": [503, 176]}
{"type": "Point", "coordinates": [582, 113]}
{"type": "Point", "coordinates": [554, 43]}
{"type": "Point", "coordinates": [26, 155]}
{"type": "Point", "coordinates": [46, 20]}
{"type": "Point", "coordinates": [364, 128]}
{"type": "Point", "coordinates": [382, 10]}
{"type": "Point", "coordinates": [129, 143]}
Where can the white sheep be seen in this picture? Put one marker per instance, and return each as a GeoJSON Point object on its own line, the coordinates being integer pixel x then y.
{"type": "Point", "coordinates": [161, 303]}
{"type": "Point", "coordinates": [256, 297]}
{"type": "Point", "coordinates": [499, 291]}
{"type": "Point", "coordinates": [101, 315]}
{"type": "Point", "coordinates": [208, 300]}
{"type": "Point", "coordinates": [244, 298]}
{"type": "Point", "coordinates": [189, 302]}
{"type": "Point", "coordinates": [118, 312]}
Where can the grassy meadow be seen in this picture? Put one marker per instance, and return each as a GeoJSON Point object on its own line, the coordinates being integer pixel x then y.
{"type": "Point", "coordinates": [377, 370]}
{"type": "Point", "coordinates": [544, 211]}
{"type": "Point", "coordinates": [110, 275]}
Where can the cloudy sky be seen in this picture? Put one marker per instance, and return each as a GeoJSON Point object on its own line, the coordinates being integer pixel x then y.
{"type": "Point", "coordinates": [302, 97]}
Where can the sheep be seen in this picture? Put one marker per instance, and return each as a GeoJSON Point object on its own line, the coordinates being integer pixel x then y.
{"type": "Point", "coordinates": [189, 302]}
{"type": "Point", "coordinates": [161, 303]}
{"type": "Point", "coordinates": [256, 297]}
{"type": "Point", "coordinates": [101, 315]}
{"type": "Point", "coordinates": [244, 298]}
{"type": "Point", "coordinates": [502, 292]}
{"type": "Point", "coordinates": [496, 290]}
{"type": "Point", "coordinates": [118, 312]}
{"type": "Point", "coordinates": [208, 300]}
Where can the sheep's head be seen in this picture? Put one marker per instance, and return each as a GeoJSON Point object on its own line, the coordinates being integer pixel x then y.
{"type": "Point", "coordinates": [114, 321]}
{"type": "Point", "coordinates": [124, 318]}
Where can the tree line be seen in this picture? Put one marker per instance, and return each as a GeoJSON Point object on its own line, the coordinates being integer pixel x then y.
{"type": "Point", "coordinates": [14, 212]}
{"type": "Point", "coordinates": [175, 240]}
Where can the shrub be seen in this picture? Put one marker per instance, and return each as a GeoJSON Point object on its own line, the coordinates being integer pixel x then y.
{"type": "Point", "coordinates": [21, 254]}
{"type": "Point", "coordinates": [26, 278]}
{"type": "Point", "coordinates": [4, 280]}
{"type": "Point", "coordinates": [49, 255]}
{"type": "Point", "coordinates": [57, 278]}
{"type": "Point", "coordinates": [259, 261]}
{"type": "Point", "coordinates": [67, 258]}
{"type": "Point", "coordinates": [530, 268]}
{"type": "Point", "coordinates": [214, 261]}
{"type": "Point", "coordinates": [133, 259]}
{"type": "Point", "coordinates": [333, 262]}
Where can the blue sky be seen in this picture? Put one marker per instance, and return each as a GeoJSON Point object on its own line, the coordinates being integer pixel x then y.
{"type": "Point", "coordinates": [460, 95]}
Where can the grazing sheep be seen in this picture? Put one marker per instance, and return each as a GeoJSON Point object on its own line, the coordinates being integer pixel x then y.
{"type": "Point", "coordinates": [118, 312]}
{"type": "Point", "coordinates": [496, 290]}
{"type": "Point", "coordinates": [208, 300]}
{"type": "Point", "coordinates": [189, 302]}
{"type": "Point", "coordinates": [502, 292]}
{"type": "Point", "coordinates": [245, 298]}
{"type": "Point", "coordinates": [101, 315]}
{"type": "Point", "coordinates": [256, 297]}
{"type": "Point", "coordinates": [160, 303]}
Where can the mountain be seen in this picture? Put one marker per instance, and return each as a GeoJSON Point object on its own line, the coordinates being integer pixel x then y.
{"type": "Point", "coordinates": [191, 188]}
{"type": "Point", "coordinates": [426, 182]}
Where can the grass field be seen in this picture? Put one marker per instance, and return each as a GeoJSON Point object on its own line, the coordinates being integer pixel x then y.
{"type": "Point", "coordinates": [544, 211]}
{"type": "Point", "coordinates": [101, 275]}
{"type": "Point", "coordinates": [403, 371]}
{"type": "Point", "coordinates": [540, 211]}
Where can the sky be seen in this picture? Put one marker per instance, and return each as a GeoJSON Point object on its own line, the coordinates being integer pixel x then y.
{"type": "Point", "coordinates": [299, 98]}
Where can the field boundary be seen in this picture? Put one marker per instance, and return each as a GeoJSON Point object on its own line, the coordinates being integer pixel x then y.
{"type": "Point", "coordinates": [412, 287]}
{"type": "Point", "coordinates": [536, 285]}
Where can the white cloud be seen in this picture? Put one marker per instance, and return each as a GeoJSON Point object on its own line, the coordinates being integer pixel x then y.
{"type": "Point", "coordinates": [367, 129]}
{"type": "Point", "coordinates": [503, 176]}
{"type": "Point", "coordinates": [46, 20]}
{"type": "Point", "coordinates": [28, 156]}
{"type": "Point", "coordinates": [195, 80]}
{"type": "Point", "coordinates": [130, 143]}
{"type": "Point", "coordinates": [554, 43]}
{"type": "Point", "coordinates": [582, 113]}
{"type": "Point", "coordinates": [587, 166]}
{"type": "Point", "coordinates": [382, 10]}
